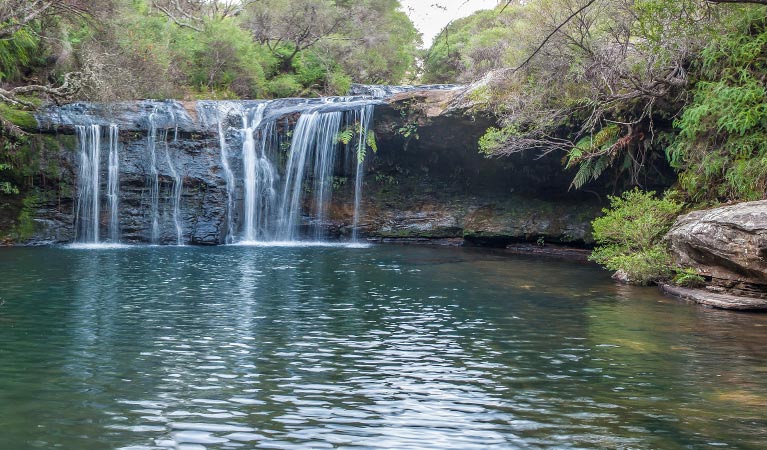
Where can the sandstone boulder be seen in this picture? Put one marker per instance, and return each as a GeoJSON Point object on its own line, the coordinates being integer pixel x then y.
{"type": "Point", "coordinates": [727, 244]}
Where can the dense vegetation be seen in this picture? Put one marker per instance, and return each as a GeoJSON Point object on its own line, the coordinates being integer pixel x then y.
{"type": "Point", "coordinates": [195, 48]}
{"type": "Point", "coordinates": [630, 236]}
{"type": "Point", "coordinates": [619, 84]}
{"type": "Point", "coordinates": [623, 88]}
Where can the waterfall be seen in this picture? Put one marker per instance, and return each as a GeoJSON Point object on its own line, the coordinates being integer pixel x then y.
{"type": "Point", "coordinates": [229, 176]}
{"type": "Point", "coordinates": [87, 210]}
{"type": "Point", "coordinates": [113, 183]}
{"type": "Point", "coordinates": [291, 154]}
{"type": "Point", "coordinates": [154, 178]}
{"type": "Point", "coordinates": [310, 164]}
{"type": "Point", "coordinates": [177, 188]}
{"type": "Point", "coordinates": [259, 174]}
{"type": "Point", "coordinates": [315, 133]}
{"type": "Point", "coordinates": [365, 116]}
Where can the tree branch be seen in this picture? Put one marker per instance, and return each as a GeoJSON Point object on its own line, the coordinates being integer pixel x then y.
{"type": "Point", "coordinates": [550, 35]}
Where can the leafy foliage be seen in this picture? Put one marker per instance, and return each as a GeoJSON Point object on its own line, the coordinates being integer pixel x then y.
{"type": "Point", "coordinates": [354, 135]}
{"type": "Point", "coordinates": [493, 139]}
{"type": "Point", "coordinates": [688, 277]}
{"type": "Point", "coordinates": [721, 149]}
{"type": "Point", "coordinates": [593, 154]}
{"type": "Point", "coordinates": [345, 136]}
{"type": "Point", "coordinates": [629, 235]}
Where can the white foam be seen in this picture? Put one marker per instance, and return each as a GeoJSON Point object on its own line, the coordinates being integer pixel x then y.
{"type": "Point", "coordinates": [301, 244]}
{"type": "Point", "coordinates": [99, 246]}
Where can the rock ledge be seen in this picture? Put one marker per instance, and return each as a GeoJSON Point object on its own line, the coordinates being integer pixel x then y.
{"type": "Point", "coordinates": [716, 300]}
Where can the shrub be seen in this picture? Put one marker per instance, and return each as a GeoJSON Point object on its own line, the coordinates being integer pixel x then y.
{"type": "Point", "coordinates": [629, 236]}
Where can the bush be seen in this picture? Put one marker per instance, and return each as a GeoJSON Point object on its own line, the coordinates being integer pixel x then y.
{"type": "Point", "coordinates": [629, 236]}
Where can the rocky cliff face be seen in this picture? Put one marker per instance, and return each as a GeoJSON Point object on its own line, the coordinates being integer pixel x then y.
{"type": "Point", "coordinates": [426, 182]}
{"type": "Point", "coordinates": [728, 245]}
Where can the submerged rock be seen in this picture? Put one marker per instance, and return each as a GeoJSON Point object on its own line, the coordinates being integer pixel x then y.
{"type": "Point", "coordinates": [727, 245]}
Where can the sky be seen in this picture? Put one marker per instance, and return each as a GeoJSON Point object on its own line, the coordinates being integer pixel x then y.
{"type": "Point", "coordinates": [430, 16]}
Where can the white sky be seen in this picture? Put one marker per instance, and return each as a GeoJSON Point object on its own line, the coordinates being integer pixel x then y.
{"type": "Point", "coordinates": [430, 16]}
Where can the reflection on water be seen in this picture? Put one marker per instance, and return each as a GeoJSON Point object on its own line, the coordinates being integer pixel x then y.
{"type": "Point", "coordinates": [382, 347]}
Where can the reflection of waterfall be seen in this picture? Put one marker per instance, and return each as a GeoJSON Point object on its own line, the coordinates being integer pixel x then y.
{"type": "Point", "coordinates": [88, 208]}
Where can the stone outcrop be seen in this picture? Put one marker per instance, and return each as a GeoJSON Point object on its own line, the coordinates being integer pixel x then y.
{"type": "Point", "coordinates": [727, 245]}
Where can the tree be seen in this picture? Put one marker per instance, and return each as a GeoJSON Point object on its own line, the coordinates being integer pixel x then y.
{"type": "Point", "coordinates": [288, 28]}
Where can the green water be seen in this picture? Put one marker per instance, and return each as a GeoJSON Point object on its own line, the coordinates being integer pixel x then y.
{"type": "Point", "coordinates": [385, 347]}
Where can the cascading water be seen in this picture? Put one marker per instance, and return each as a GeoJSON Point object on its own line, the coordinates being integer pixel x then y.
{"type": "Point", "coordinates": [177, 188]}
{"type": "Point", "coordinates": [154, 178]}
{"type": "Point", "coordinates": [315, 133]}
{"type": "Point", "coordinates": [258, 172]}
{"type": "Point", "coordinates": [365, 116]}
{"type": "Point", "coordinates": [294, 155]}
{"type": "Point", "coordinates": [113, 183]}
{"type": "Point", "coordinates": [229, 176]}
{"type": "Point", "coordinates": [87, 211]}
{"type": "Point", "coordinates": [310, 164]}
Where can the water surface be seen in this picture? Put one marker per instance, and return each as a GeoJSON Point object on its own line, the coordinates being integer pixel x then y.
{"type": "Point", "coordinates": [381, 347]}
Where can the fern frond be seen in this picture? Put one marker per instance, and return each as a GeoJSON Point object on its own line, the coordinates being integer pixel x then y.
{"type": "Point", "coordinates": [371, 141]}
{"type": "Point", "coordinates": [345, 136]}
